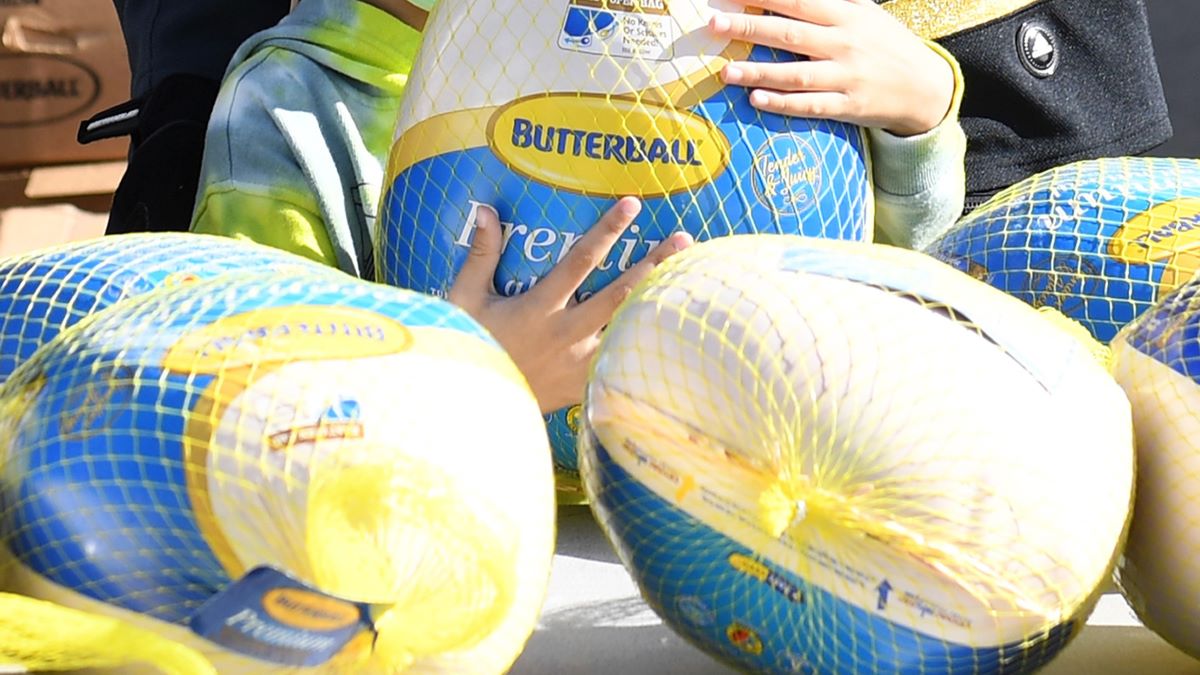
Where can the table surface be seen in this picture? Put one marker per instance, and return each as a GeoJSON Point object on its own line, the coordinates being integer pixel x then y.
{"type": "Point", "coordinates": [594, 621]}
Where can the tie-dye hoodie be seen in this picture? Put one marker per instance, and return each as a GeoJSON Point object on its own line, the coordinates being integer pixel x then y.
{"type": "Point", "coordinates": [299, 139]}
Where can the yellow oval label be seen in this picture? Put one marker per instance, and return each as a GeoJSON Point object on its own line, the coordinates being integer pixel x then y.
{"type": "Point", "coordinates": [282, 334]}
{"type": "Point", "coordinates": [39, 89]}
{"type": "Point", "coordinates": [749, 566]}
{"type": "Point", "coordinates": [1168, 233]}
{"type": "Point", "coordinates": [303, 609]}
{"type": "Point", "coordinates": [611, 146]}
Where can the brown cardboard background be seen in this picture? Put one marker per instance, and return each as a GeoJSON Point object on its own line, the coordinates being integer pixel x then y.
{"type": "Point", "coordinates": [60, 62]}
{"type": "Point", "coordinates": [51, 205]}
{"type": "Point", "coordinates": [29, 228]}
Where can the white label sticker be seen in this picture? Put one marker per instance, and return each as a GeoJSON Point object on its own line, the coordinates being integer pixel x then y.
{"type": "Point", "coordinates": [623, 28]}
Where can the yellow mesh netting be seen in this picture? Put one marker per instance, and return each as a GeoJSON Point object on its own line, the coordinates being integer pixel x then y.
{"type": "Point", "coordinates": [841, 458]}
{"type": "Point", "coordinates": [1100, 352]}
{"type": "Point", "coordinates": [177, 442]}
{"type": "Point", "coordinates": [43, 292]}
{"type": "Point", "coordinates": [366, 522]}
{"type": "Point", "coordinates": [1099, 240]}
{"type": "Point", "coordinates": [549, 112]}
{"type": "Point", "coordinates": [1157, 362]}
{"type": "Point", "coordinates": [1112, 244]}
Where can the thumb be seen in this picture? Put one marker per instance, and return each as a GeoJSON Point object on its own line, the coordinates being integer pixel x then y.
{"type": "Point", "coordinates": [475, 280]}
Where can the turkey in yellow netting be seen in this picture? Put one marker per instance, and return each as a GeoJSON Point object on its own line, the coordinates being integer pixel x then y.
{"type": "Point", "coordinates": [1157, 361]}
{"type": "Point", "coordinates": [548, 111]}
{"type": "Point", "coordinates": [278, 471]}
{"type": "Point", "coordinates": [46, 291]}
{"type": "Point", "coordinates": [836, 457]}
{"type": "Point", "coordinates": [1099, 240]}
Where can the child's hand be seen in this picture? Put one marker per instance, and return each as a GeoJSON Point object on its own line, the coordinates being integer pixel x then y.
{"type": "Point", "coordinates": [864, 66]}
{"type": "Point", "coordinates": [549, 335]}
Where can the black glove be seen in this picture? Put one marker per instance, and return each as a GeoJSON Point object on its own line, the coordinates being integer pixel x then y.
{"type": "Point", "coordinates": [167, 128]}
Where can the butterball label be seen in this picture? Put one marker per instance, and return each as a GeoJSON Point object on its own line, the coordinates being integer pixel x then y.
{"type": "Point", "coordinates": [284, 334]}
{"type": "Point", "coordinates": [607, 146]}
{"type": "Point", "coordinates": [1062, 281]}
{"type": "Point", "coordinates": [1168, 233]}
{"type": "Point", "coordinates": [1159, 233]}
{"type": "Point", "coordinates": [38, 89]}
{"type": "Point", "coordinates": [271, 616]}
{"type": "Point", "coordinates": [787, 174]}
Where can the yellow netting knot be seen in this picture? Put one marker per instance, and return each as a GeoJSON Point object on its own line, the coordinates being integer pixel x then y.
{"type": "Point", "coordinates": [397, 532]}
{"type": "Point", "coordinates": [779, 509]}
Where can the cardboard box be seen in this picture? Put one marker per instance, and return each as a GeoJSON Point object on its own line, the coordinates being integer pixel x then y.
{"type": "Point", "coordinates": [52, 205]}
{"type": "Point", "coordinates": [61, 61]}
{"type": "Point", "coordinates": [86, 186]}
{"type": "Point", "coordinates": [31, 228]}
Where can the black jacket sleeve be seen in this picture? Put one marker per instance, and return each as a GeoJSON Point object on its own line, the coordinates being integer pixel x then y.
{"type": "Point", "coordinates": [1053, 82]}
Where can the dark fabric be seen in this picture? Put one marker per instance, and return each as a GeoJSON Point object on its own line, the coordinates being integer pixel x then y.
{"type": "Point", "coordinates": [1177, 49]}
{"type": "Point", "coordinates": [1103, 98]}
{"type": "Point", "coordinates": [168, 37]}
{"type": "Point", "coordinates": [158, 190]}
{"type": "Point", "coordinates": [178, 53]}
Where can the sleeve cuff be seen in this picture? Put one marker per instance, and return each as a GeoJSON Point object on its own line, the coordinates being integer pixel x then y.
{"type": "Point", "coordinates": [901, 164]}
